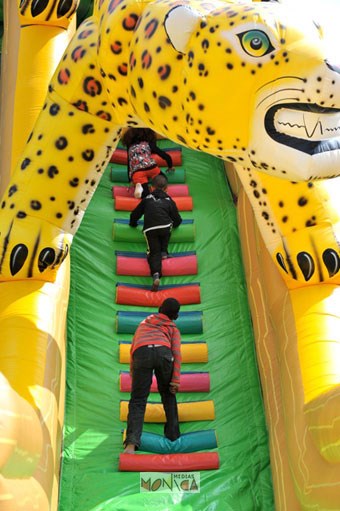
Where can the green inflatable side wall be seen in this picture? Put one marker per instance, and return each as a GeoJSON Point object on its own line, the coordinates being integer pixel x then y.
{"type": "Point", "coordinates": [90, 480]}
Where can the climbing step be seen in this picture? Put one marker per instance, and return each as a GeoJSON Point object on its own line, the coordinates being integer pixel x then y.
{"type": "Point", "coordinates": [188, 322]}
{"type": "Point", "coordinates": [123, 232]}
{"type": "Point", "coordinates": [187, 412]}
{"type": "Point", "coordinates": [189, 382]}
{"type": "Point", "coordinates": [135, 263]}
{"type": "Point", "coordinates": [172, 190]}
{"type": "Point", "coordinates": [187, 442]}
{"type": "Point", "coordinates": [169, 462]}
{"type": "Point", "coordinates": [129, 203]}
{"type": "Point", "coordinates": [120, 156]}
{"type": "Point", "coordinates": [141, 295]}
{"type": "Point", "coordinates": [119, 174]}
{"type": "Point", "coordinates": [193, 352]}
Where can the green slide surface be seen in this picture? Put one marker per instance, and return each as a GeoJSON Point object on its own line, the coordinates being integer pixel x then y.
{"type": "Point", "coordinates": [90, 479]}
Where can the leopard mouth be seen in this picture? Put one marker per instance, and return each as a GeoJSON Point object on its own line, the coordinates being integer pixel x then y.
{"type": "Point", "coordinates": [308, 128]}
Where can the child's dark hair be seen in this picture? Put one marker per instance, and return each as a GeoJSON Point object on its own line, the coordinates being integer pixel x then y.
{"type": "Point", "coordinates": [170, 307]}
{"type": "Point", "coordinates": [160, 182]}
{"type": "Point", "coordinates": [135, 135]}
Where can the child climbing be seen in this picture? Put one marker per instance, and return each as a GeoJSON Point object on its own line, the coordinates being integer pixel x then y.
{"type": "Point", "coordinates": [156, 346]}
{"type": "Point", "coordinates": [160, 216]}
{"type": "Point", "coordinates": [141, 144]}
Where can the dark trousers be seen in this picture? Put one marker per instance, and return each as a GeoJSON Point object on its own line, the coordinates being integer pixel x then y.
{"type": "Point", "coordinates": [157, 245]}
{"type": "Point", "coordinates": [145, 361]}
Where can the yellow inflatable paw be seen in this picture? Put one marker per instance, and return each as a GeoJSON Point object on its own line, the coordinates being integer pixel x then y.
{"type": "Point", "coordinates": [46, 12]}
{"type": "Point", "coordinates": [310, 255]}
{"type": "Point", "coordinates": [31, 248]}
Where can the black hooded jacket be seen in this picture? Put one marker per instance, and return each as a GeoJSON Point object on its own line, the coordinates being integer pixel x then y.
{"type": "Point", "coordinates": [159, 211]}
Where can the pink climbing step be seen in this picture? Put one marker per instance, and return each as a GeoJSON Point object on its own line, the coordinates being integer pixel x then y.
{"type": "Point", "coordinates": [135, 263]}
{"type": "Point", "coordinates": [129, 294]}
{"type": "Point", "coordinates": [169, 462]}
{"type": "Point", "coordinates": [189, 382]}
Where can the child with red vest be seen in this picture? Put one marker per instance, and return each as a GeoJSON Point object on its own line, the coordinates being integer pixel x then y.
{"type": "Point", "coordinates": [141, 145]}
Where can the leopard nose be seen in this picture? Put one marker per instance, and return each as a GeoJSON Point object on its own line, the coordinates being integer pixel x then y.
{"type": "Point", "coordinates": [333, 66]}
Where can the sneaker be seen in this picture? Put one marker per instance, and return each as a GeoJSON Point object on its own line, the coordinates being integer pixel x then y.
{"type": "Point", "coordinates": [138, 191]}
{"type": "Point", "coordinates": [156, 281]}
{"type": "Point", "coordinates": [165, 255]}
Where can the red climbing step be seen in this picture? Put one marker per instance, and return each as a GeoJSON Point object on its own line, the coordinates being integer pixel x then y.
{"type": "Point", "coordinates": [129, 294]}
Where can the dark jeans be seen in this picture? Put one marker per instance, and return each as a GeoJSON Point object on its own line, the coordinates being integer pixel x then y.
{"type": "Point", "coordinates": [157, 243]}
{"type": "Point", "coordinates": [145, 361]}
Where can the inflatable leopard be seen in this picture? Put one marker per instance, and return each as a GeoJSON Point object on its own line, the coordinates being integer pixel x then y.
{"type": "Point", "coordinates": [251, 84]}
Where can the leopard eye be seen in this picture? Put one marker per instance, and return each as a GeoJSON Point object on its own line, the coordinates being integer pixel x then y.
{"type": "Point", "coordinates": [255, 43]}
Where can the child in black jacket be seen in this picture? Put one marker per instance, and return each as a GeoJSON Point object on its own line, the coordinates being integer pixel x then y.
{"type": "Point", "coordinates": [160, 216]}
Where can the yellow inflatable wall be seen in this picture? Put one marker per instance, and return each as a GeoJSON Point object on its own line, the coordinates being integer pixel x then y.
{"type": "Point", "coordinates": [184, 69]}
{"type": "Point", "coordinates": [32, 313]}
{"type": "Point", "coordinates": [296, 333]}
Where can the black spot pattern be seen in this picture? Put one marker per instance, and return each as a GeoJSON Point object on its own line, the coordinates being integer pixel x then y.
{"type": "Point", "coordinates": [25, 163]}
{"type": "Point", "coordinates": [74, 182]}
{"type": "Point", "coordinates": [88, 155]}
{"type": "Point", "coordinates": [35, 204]}
{"type": "Point", "coordinates": [88, 128]}
{"type": "Point", "coordinates": [164, 102]}
{"type": "Point", "coordinates": [61, 143]}
{"type": "Point", "coordinates": [54, 109]}
{"type": "Point", "coordinates": [52, 171]}
{"type": "Point", "coordinates": [12, 190]}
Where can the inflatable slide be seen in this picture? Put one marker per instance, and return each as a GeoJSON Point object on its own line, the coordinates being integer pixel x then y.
{"type": "Point", "coordinates": [109, 293]}
{"type": "Point", "coordinates": [269, 109]}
